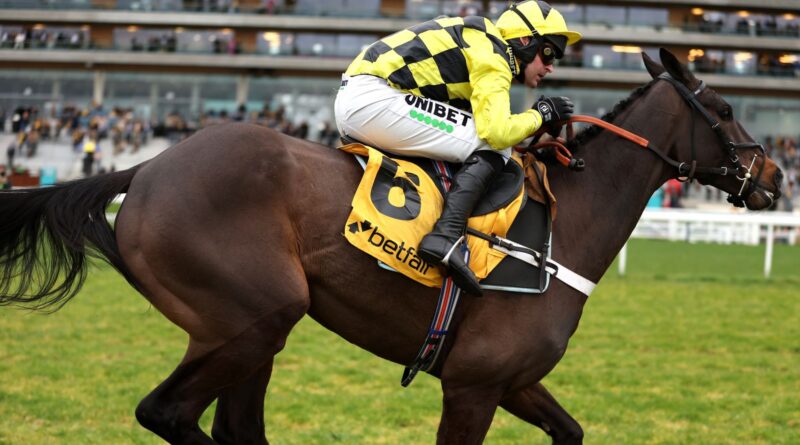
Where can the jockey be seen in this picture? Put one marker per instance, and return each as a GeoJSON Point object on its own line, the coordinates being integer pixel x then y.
{"type": "Point", "coordinates": [440, 90]}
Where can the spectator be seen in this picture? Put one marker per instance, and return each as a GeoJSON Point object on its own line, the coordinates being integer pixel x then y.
{"type": "Point", "coordinates": [32, 139]}
{"type": "Point", "coordinates": [172, 43]}
{"type": "Point", "coordinates": [268, 7]}
{"type": "Point", "coordinates": [117, 139]}
{"type": "Point", "coordinates": [75, 40]}
{"type": "Point", "coordinates": [90, 153]}
{"type": "Point", "coordinates": [5, 182]}
{"type": "Point", "coordinates": [328, 135]}
{"type": "Point", "coordinates": [232, 46]}
{"type": "Point", "coordinates": [137, 135]}
{"type": "Point", "coordinates": [11, 151]}
{"type": "Point", "coordinates": [301, 131]}
{"type": "Point", "coordinates": [241, 113]}
{"type": "Point", "coordinates": [6, 39]}
{"type": "Point", "coordinates": [19, 40]}
{"type": "Point", "coordinates": [673, 194]}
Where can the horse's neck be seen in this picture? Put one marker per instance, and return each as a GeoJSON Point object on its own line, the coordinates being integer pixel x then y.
{"type": "Point", "coordinates": [599, 207]}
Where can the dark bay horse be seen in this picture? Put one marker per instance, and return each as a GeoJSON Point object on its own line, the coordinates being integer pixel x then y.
{"type": "Point", "coordinates": [236, 233]}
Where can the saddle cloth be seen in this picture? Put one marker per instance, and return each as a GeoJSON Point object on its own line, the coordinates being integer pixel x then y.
{"type": "Point", "coordinates": [397, 203]}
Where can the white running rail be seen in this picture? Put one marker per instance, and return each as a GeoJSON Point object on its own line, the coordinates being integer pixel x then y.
{"type": "Point", "coordinates": [732, 227]}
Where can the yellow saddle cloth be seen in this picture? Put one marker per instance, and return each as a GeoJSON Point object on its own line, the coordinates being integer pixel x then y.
{"type": "Point", "coordinates": [397, 203]}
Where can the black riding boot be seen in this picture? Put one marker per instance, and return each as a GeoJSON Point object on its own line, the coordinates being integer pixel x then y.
{"type": "Point", "coordinates": [468, 186]}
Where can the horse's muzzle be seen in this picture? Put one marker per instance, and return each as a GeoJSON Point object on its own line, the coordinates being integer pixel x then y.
{"type": "Point", "coordinates": [778, 180]}
{"type": "Point", "coordinates": [761, 197]}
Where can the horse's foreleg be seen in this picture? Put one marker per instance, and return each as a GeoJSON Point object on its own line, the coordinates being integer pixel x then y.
{"type": "Point", "coordinates": [467, 414]}
{"type": "Point", "coordinates": [239, 418]}
{"type": "Point", "coordinates": [537, 406]}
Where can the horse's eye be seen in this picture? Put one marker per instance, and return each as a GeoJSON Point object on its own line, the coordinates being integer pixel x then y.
{"type": "Point", "coordinates": [726, 113]}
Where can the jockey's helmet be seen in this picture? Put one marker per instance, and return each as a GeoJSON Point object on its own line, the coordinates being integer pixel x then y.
{"type": "Point", "coordinates": [539, 21]}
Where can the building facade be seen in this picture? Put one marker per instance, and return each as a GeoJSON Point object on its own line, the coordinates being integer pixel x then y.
{"type": "Point", "coordinates": [201, 57]}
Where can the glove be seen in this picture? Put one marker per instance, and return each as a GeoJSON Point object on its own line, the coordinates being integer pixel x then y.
{"type": "Point", "coordinates": [554, 109]}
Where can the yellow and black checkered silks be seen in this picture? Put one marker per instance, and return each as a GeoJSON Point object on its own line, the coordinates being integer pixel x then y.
{"type": "Point", "coordinates": [461, 61]}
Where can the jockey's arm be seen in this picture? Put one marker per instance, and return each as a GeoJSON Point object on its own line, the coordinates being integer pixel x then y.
{"type": "Point", "coordinates": [491, 104]}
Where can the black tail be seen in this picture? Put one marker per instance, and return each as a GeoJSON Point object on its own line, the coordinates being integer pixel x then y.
{"type": "Point", "coordinates": [47, 233]}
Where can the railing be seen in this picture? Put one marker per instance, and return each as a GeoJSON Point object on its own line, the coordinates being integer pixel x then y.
{"type": "Point", "coordinates": [788, 72]}
{"type": "Point", "coordinates": [725, 228]}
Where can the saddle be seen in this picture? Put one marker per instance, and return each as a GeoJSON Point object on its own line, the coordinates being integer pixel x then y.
{"type": "Point", "coordinates": [412, 190]}
{"type": "Point", "coordinates": [400, 198]}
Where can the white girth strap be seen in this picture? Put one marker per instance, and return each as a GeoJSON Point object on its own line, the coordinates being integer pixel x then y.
{"type": "Point", "coordinates": [555, 269]}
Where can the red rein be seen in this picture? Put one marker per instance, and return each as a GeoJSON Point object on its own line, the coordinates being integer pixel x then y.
{"type": "Point", "coordinates": [563, 155]}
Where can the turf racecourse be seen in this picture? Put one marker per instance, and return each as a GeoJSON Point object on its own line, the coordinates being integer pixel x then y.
{"type": "Point", "coordinates": [692, 347]}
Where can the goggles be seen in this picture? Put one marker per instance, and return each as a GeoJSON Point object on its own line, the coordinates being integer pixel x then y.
{"type": "Point", "coordinates": [548, 54]}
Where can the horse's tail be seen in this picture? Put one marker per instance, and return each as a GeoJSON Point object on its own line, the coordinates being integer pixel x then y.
{"type": "Point", "coordinates": [47, 233]}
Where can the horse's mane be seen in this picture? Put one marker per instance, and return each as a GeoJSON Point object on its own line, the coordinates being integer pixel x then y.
{"type": "Point", "coordinates": [590, 132]}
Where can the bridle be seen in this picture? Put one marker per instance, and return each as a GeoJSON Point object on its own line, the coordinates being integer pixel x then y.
{"type": "Point", "coordinates": [687, 171]}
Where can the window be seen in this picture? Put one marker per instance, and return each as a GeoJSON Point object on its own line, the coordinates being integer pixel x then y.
{"type": "Point", "coordinates": [316, 44]}
{"type": "Point", "coordinates": [133, 38]}
{"type": "Point", "coordinates": [150, 5]}
{"type": "Point", "coordinates": [205, 41]}
{"type": "Point", "coordinates": [496, 9]}
{"type": "Point", "coordinates": [275, 43]}
{"type": "Point", "coordinates": [648, 16]}
{"type": "Point", "coordinates": [606, 15]}
{"type": "Point", "coordinates": [600, 56]}
{"type": "Point", "coordinates": [462, 8]}
{"type": "Point", "coordinates": [571, 12]}
{"type": "Point", "coordinates": [342, 8]}
{"type": "Point", "coordinates": [740, 62]}
{"type": "Point", "coordinates": [423, 10]}
{"type": "Point", "coordinates": [350, 45]}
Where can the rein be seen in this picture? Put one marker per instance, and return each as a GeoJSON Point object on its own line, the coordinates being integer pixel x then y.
{"type": "Point", "coordinates": [685, 171]}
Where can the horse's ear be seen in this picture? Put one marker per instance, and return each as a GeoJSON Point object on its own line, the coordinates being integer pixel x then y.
{"type": "Point", "coordinates": [677, 70]}
{"type": "Point", "coordinates": [653, 67]}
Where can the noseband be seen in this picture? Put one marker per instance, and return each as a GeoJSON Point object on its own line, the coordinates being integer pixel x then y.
{"type": "Point", "coordinates": [687, 171]}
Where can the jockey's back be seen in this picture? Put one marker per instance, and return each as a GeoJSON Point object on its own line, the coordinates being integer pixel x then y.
{"type": "Point", "coordinates": [444, 59]}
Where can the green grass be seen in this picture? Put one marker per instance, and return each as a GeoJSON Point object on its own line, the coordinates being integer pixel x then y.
{"type": "Point", "coordinates": [113, 208]}
{"type": "Point", "coordinates": [693, 346]}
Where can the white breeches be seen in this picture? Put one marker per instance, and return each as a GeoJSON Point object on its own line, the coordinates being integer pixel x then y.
{"type": "Point", "coordinates": [371, 111]}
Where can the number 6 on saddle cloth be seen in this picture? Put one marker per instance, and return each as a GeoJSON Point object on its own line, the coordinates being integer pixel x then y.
{"type": "Point", "coordinates": [399, 200]}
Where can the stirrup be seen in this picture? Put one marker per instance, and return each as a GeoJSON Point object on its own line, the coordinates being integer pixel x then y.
{"type": "Point", "coordinates": [446, 259]}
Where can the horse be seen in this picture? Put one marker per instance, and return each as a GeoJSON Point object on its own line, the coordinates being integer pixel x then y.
{"type": "Point", "coordinates": [235, 234]}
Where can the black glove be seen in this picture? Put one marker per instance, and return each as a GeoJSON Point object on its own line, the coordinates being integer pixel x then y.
{"type": "Point", "coordinates": [554, 109]}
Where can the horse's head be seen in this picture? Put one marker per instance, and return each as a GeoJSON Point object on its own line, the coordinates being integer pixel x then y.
{"type": "Point", "coordinates": [711, 145]}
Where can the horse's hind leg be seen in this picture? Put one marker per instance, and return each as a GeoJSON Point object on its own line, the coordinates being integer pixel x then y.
{"type": "Point", "coordinates": [227, 366]}
{"type": "Point", "coordinates": [239, 418]}
{"type": "Point", "coordinates": [467, 413]}
{"type": "Point", "coordinates": [173, 409]}
{"type": "Point", "coordinates": [537, 406]}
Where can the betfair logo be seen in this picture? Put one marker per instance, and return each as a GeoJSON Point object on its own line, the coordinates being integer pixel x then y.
{"type": "Point", "coordinates": [406, 255]}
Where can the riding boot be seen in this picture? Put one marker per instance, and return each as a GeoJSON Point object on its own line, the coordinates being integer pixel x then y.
{"type": "Point", "coordinates": [442, 245]}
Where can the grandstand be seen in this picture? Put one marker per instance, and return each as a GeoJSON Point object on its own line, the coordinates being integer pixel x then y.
{"type": "Point", "coordinates": [178, 65]}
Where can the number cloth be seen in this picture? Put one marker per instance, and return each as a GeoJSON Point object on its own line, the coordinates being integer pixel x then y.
{"type": "Point", "coordinates": [397, 203]}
